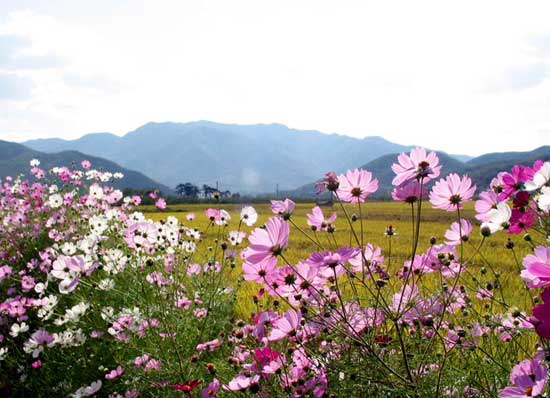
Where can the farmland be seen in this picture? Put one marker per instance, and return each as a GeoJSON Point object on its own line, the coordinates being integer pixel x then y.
{"type": "Point", "coordinates": [376, 217]}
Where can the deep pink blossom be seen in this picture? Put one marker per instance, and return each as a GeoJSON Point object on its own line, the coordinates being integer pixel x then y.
{"type": "Point", "coordinates": [521, 220]}
{"type": "Point", "coordinates": [541, 316]}
{"type": "Point", "coordinates": [514, 181]}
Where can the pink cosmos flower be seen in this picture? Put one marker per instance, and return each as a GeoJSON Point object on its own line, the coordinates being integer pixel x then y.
{"type": "Point", "coordinates": [418, 165]}
{"type": "Point", "coordinates": [536, 272]}
{"type": "Point", "coordinates": [86, 164]}
{"type": "Point", "coordinates": [528, 378]}
{"type": "Point", "coordinates": [266, 244]}
{"type": "Point", "coordinates": [283, 207]}
{"type": "Point", "coordinates": [211, 390]}
{"type": "Point", "coordinates": [456, 234]}
{"type": "Point", "coordinates": [330, 182]}
{"type": "Point", "coordinates": [287, 325]}
{"type": "Point", "coordinates": [264, 271]}
{"type": "Point", "coordinates": [408, 192]}
{"type": "Point", "coordinates": [317, 219]}
{"type": "Point", "coordinates": [330, 263]}
{"type": "Point", "coordinates": [219, 217]}
{"type": "Point", "coordinates": [160, 204]}
{"type": "Point", "coordinates": [373, 257]}
{"type": "Point", "coordinates": [449, 193]}
{"type": "Point", "coordinates": [241, 382]}
{"type": "Point", "coordinates": [356, 185]}
{"type": "Point", "coordinates": [190, 216]}
{"type": "Point", "coordinates": [113, 374]}
{"type": "Point", "coordinates": [488, 200]}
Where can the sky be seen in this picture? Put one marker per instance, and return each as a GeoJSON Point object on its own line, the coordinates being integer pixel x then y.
{"type": "Point", "coordinates": [466, 77]}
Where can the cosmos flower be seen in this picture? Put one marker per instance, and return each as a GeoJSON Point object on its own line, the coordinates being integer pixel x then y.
{"type": "Point", "coordinates": [418, 165]}
{"type": "Point", "coordinates": [408, 192]}
{"type": "Point", "coordinates": [283, 207]}
{"type": "Point", "coordinates": [356, 185]}
{"type": "Point", "coordinates": [249, 216]}
{"type": "Point", "coordinates": [528, 378]}
{"type": "Point", "coordinates": [266, 244]}
{"type": "Point", "coordinates": [317, 219]}
{"type": "Point", "coordinates": [449, 193]}
{"type": "Point", "coordinates": [457, 234]}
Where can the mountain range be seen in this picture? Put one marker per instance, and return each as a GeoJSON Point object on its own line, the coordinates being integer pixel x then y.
{"type": "Point", "coordinates": [240, 158]}
{"type": "Point", "coordinates": [15, 158]}
{"type": "Point", "coordinates": [249, 159]}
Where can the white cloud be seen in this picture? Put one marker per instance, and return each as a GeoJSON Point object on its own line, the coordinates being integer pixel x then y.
{"type": "Point", "coordinates": [432, 73]}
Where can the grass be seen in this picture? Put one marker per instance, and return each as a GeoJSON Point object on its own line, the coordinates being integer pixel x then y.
{"type": "Point", "coordinates": [502, 264]}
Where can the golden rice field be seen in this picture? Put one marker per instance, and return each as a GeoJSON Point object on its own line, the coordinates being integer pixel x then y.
{"type": "Point", "coordinates": [494, 256]}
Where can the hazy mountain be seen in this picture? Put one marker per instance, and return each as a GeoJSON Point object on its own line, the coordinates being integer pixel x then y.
{"type": "Point", "coordinates": [15, 158]}
{"type": "Point", "coordinates": [481, 169]}
{"type": "Point", "coordinates": [245, 158]}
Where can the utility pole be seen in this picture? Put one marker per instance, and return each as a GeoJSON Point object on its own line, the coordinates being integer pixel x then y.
{"type": "Point", "coordinates": [277, 191]}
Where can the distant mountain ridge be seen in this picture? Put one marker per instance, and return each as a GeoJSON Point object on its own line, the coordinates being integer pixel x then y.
{"type": "Point", "coordinates": [241, 158]}
{"type": "Point", "coordinates": [15, 158]}
{"type": "Point", "coordinates": [481, 169]}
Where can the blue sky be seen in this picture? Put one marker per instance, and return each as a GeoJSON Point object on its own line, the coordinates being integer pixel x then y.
{"type": "Point", "coordinates": [466, 77]}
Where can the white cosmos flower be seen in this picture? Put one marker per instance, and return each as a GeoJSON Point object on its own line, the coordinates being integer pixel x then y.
{"type": "Point", "coordinates": [3, 353]}
{"type": "Point", "coordinates": [106, 284]}
{"type": "Point", "coordinates": [236, 237]}
{"type": "Point", "coordinates": [88, 391]}
{"type": "Point", "coordinates": [55, 201]}
{"type": "Point", "coordinates": [540, 179]}
{"type": "Point", "coordinates": [96, 191]}
{"type": "Point", "coordinates": [249, 216]}
{"type": "Point", "coordinates": [544, 199]}
{"type": "Point", "coordinates": [35, 163]}
{"type": "Point", "coordinates": [224, 218]}
{"type": "Point", "coordinates": [498, 218]}
{"type": "Point", "coordinates": [16, 329]}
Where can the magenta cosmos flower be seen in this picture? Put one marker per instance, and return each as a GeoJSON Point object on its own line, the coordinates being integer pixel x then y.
{"type": "Point", "coordinates": [416, 166]}
{"type": "Point", "coordinates": [541, 315]}
{"type": "Point", "coordinates": [265, 245]}
{"type": "Point", "coordinates": [356, 185]}
{"type": "Point", "coordinates": [528, 378]}
{"type": "Point", "coordinates": [449, 193]}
